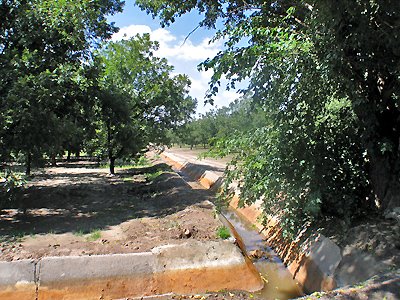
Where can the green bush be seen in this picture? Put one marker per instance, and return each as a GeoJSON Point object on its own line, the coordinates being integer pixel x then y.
{"type": "Point", "coordinates": [223, 232]}
{"type": "Point", "coordinates": [10, 183]}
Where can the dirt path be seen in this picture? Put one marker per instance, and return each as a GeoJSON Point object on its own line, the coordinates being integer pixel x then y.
{"type": "Point", "coordinates": [77, 209]}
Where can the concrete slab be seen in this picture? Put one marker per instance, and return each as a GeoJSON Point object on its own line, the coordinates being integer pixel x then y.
{"type": "Point", "coordinates": [196, 267]}
{"type": "Point", "coordinates": [196, 254]}
{"type": "Point", "coordinates": [55, 269]}
{"type": "Point", "coordinates": [17, 280]}
{"type": "Point", "coordinates": [357, 266]}
{"type": "Point", "coordinates": [326, 254]}
{"type": "Point", "coordinates": [191, 267]}
{"type": "Point", "coordinates": [93, 277]}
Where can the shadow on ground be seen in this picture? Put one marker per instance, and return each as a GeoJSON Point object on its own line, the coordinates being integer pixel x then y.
{"type": "Point", "coordinates": [70, 199]}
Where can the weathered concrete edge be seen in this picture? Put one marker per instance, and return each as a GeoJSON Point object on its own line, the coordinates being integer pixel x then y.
{"type": "Point", "coordinates": [28, 279]}
{"type": "Point", "coordinates": [310, 267]}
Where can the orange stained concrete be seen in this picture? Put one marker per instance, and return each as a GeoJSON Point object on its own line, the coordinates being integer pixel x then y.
{"type": "Point", "coordinates": [206, 182]}
{"type": "Point", "coordinates": [177, 281]}
{"type": "Point", "coordinates": [13, 293]}
{"type": "Point", "coordinates": [303, 269]}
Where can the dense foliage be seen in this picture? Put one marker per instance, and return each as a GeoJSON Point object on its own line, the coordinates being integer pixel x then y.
{"type": "Point", "coordinates": [64, 87]}
{"type": "Point", "coordinates": [326, 73]}
{"type": "Point", "coordinates": [44, 80]}
{"type": "Point", "coordinates": [139, 99]}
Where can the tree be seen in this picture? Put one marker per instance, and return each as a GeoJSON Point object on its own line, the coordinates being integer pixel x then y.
{"type": "Point", "coordinates": [44, 46]}
{"type": "Point", "coordinates": [139, 98]}
{"type": "Point", "coordinates": [326, 74]}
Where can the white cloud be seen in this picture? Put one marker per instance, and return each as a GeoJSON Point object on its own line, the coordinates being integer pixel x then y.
{"type": "Point", "coordinates": [185, 56]}
{"type": "Point", "coordinates": [162, 36]}
{"type": "Point", "coordinates": [170, 45]}
{"type": "Point", "coordinates": [130, 31]}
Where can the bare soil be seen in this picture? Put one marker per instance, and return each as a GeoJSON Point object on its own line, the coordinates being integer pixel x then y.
{"type": "Point", "coordinates": [78, 209]}
{"type": "Point", "coordinates": [374, 235]}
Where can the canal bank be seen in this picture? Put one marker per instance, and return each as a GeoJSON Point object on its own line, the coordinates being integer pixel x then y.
{"type": "Point", "coordinates": [314, 260]}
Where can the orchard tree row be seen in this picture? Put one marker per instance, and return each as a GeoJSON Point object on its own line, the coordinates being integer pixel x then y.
{"type": "Point", "coordinates": [219, 124]}
{"type": "Point", "coordinates": [326, 74]}
{"type": "Point", "coordinates": [65, 87]}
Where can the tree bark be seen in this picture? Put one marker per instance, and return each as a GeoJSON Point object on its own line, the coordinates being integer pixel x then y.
{"type": "Point", "coordinates": [53, 160]}
{"type": "Point", "coordinates": [112, 165]}
{"type": "Point", "coordinates": [69, 155]}
{"type": "Point", "coordinates": [385, 181]}
{"type": "Point", "coordinates": [111, 156]}
{"type": "Point", "coordinates": [380, 118]}
{"type": "Point", "coordinates": [28, 163]}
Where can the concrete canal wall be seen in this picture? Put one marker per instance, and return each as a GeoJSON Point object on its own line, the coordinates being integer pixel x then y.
{"type": "Point", "coordinates": [313, 266]}
{"type": "Point", "coordinates": [191, 267]}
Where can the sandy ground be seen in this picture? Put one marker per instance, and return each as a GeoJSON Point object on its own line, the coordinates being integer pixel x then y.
{"type": "Point", "coordinates": [77, 209]}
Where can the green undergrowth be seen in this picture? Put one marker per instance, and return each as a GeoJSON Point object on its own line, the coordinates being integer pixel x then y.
{"type": "Point", "coordinates": [152, 176]}
{"type": "Point", "coordinates": [94, 235]}
{"type": "Point", "coordinates": [123, 164]}
{"type": "Point", "coordinates": [223, 232]}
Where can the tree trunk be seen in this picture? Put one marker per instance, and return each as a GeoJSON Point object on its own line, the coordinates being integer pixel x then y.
{"type": "Point", "coordinates": [78, 153]}
{"type": "Point", "coordinates": [111, 156]}
{"type": "Point", "coordinates": [28, 163]}
{"type": "Point", "coordinates": [112, 165]}
{"type": "Point", "coordinates": [69, 155]}
{"type": "Point", "coordinates": [53, 160]}
{"type": "Point", "coordinates": [385, 181]}
{"type": "Point", "coordinates": [381, 137]}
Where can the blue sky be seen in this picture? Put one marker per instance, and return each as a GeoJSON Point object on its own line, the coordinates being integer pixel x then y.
{"type": "Point", "coordinates": [183, 56]}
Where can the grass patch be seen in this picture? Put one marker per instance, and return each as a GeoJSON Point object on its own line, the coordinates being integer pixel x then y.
{"type": "Point", "coordinates": [16, 236]}
{"type": "Point", "coordinates": [123, 164]}
{"type": "Point", "coordinates": [94, 235]}
{"type": "Point", "coordinates": [154, 175]}
{"type": "Point", "coordinates": [223, 232]}
{"type": "Point", "coordinates": [78, 233]}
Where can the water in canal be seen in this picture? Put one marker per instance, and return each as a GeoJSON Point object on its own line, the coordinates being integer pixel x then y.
{"type": "Point", "coordinates": [279, 283]}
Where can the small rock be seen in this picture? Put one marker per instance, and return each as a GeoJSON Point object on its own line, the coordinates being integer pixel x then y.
{"type": "Point", "coordinates": [394, 213]}
{"type": "Point", "coordinates": [187, 233]}
{"type": "Point", "coordinates": [256, 254]}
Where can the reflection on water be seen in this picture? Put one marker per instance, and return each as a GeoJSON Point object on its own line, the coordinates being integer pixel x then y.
{"type": "Point", "coordinates": [279, 283]}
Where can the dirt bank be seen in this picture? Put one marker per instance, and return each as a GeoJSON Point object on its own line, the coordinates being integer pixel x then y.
{"type": "Point", "coordinates": [77, 209]}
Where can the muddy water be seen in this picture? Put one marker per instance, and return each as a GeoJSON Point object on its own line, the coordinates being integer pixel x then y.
{"type": "Point", "coordinates": [279, 283]}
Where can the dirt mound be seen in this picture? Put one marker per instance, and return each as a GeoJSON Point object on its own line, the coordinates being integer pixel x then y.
{"type": "Point", "coordinates": [84, 211]}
